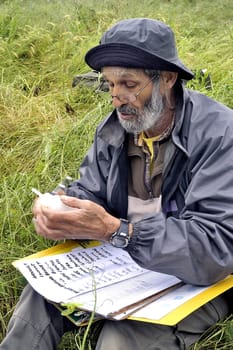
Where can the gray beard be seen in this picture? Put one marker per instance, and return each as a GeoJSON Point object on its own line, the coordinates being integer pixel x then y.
{"type": "Point", "coordinates": [146, 119]}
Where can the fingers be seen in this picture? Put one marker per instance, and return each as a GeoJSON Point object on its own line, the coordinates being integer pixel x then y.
{"type": "Point", "coordinates": [75, 202]}
{"type": "Point", "coordinates": [60, 192]}
{"type": "Point", "coordinates": [44, 232]}
{"type": "Point", "coordinates": [36, 207]}
{"type": "Point", "coordinates": [51, 229]}
{"type": "Point", "coordinates": [86, 221]}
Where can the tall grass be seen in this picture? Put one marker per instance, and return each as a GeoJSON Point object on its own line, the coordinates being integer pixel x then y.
{"type": "Point", "coordinates": [46, 125]}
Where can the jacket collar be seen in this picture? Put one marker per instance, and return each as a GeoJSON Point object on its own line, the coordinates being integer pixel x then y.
{"type": "Point", "coordinates": [111, 131]}
{"type": "Point", "coordinates": [181, 129]}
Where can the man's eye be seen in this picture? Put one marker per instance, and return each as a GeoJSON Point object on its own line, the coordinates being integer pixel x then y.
{"type": "Point", "coordinates": [127, 85]}
{"type": "Point", "coordinates": [130, 85]}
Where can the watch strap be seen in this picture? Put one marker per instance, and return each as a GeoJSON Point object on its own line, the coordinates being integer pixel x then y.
{"type": "Point", "coordinates": [121, 237]}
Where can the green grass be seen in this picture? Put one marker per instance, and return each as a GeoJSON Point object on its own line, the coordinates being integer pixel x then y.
{"type": "Point", "coordinates": [46, 125]}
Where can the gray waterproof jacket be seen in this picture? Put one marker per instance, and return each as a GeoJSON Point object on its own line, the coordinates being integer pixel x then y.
{"type": "Point", "coordinates": [192, 238]}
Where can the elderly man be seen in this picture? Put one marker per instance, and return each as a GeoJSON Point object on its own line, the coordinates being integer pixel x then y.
{"type": "Point", "coordinates": [157, 182]}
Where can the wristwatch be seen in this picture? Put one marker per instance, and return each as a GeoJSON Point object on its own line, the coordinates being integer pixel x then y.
{"type": "Point", "coordinates": [121, 237]}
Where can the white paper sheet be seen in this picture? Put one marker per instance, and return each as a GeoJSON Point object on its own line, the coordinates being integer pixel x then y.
{"type": "Point", "coordinates": [115, 297]}
{"type": "Point", "coordinates": [167, 303]}
{"type": "Point", "coordinates": [73, 277]}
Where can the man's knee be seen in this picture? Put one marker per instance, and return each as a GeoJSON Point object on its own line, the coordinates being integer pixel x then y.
{"type": "Point", "coordinates": [132, 335]}
{"type": "Point", "coordinates": [35, 324]}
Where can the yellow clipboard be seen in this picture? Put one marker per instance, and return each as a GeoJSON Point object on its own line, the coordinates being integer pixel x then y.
{"type": "Point", "coordinates": [184, 310]}
{"type": "Point", "coordinates": [169, 319]}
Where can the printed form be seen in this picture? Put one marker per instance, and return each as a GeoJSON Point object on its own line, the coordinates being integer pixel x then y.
{"type": "Point", "coordinates": [104, 276]}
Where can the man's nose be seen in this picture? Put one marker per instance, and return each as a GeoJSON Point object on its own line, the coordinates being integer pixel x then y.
{"type": "Point", "coordinates": [116, 93]}
{"type": "Point", "coordinates": [116, 101]}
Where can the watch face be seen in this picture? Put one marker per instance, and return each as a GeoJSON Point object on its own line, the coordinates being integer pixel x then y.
{"type": "Point", "coordinates": [120, 238]}
{"type": "Point", "coordinates": [119, 241]}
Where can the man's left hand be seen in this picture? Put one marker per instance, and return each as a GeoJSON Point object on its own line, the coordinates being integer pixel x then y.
{"type": "Point", "coordinates": [87, 220]}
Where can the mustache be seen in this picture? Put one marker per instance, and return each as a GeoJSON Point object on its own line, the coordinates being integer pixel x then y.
{"type": "Point", "coordinates": [125, 109]}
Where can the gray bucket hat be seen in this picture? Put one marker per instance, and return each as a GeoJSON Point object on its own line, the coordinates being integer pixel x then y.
{"type": "Point", "coordinates": [138, 43]}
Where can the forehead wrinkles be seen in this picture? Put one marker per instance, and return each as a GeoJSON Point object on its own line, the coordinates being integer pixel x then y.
{"type": "Point", "coordinates": [121, 72]}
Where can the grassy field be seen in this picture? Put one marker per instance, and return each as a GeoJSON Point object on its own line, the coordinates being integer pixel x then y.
{"type": "Point", "coordinates": [46, 125]}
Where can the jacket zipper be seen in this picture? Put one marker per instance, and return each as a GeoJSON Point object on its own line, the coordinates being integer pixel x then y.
{"type": "Point", "coordinates": [147, 177]}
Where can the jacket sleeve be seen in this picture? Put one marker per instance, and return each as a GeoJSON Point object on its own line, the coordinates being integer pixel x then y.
{"type": "Point", "coordinates": [93, 172]}
{"type": "Point", "coordinates": [197, 247]}
{"type": "Point", "coordinates": [100, 175]}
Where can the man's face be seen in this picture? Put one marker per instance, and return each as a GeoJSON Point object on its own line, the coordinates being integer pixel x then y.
{"type": "Point", "coordinates": [142, 113]}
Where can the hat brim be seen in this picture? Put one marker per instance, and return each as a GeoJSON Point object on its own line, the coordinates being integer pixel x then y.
{"type": "Point", "coordinates": [124, 55]}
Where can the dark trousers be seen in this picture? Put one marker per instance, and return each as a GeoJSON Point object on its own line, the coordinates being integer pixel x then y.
{"type": "Point", "coordinates": [38, 325]}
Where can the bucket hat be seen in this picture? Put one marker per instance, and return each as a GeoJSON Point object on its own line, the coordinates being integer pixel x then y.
{"type": "Point", "coordinates": [138, 43]}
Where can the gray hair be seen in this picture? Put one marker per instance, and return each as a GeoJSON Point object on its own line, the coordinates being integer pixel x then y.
{"type": "Point", "coordinates": [152, 72]}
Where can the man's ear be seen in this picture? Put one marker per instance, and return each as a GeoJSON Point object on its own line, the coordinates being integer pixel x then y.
{"type": "Point", "coordinates": [169, 79]}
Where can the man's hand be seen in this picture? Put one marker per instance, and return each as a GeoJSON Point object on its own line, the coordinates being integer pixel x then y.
{"type": "Point", "coordinates": [87, 220]}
